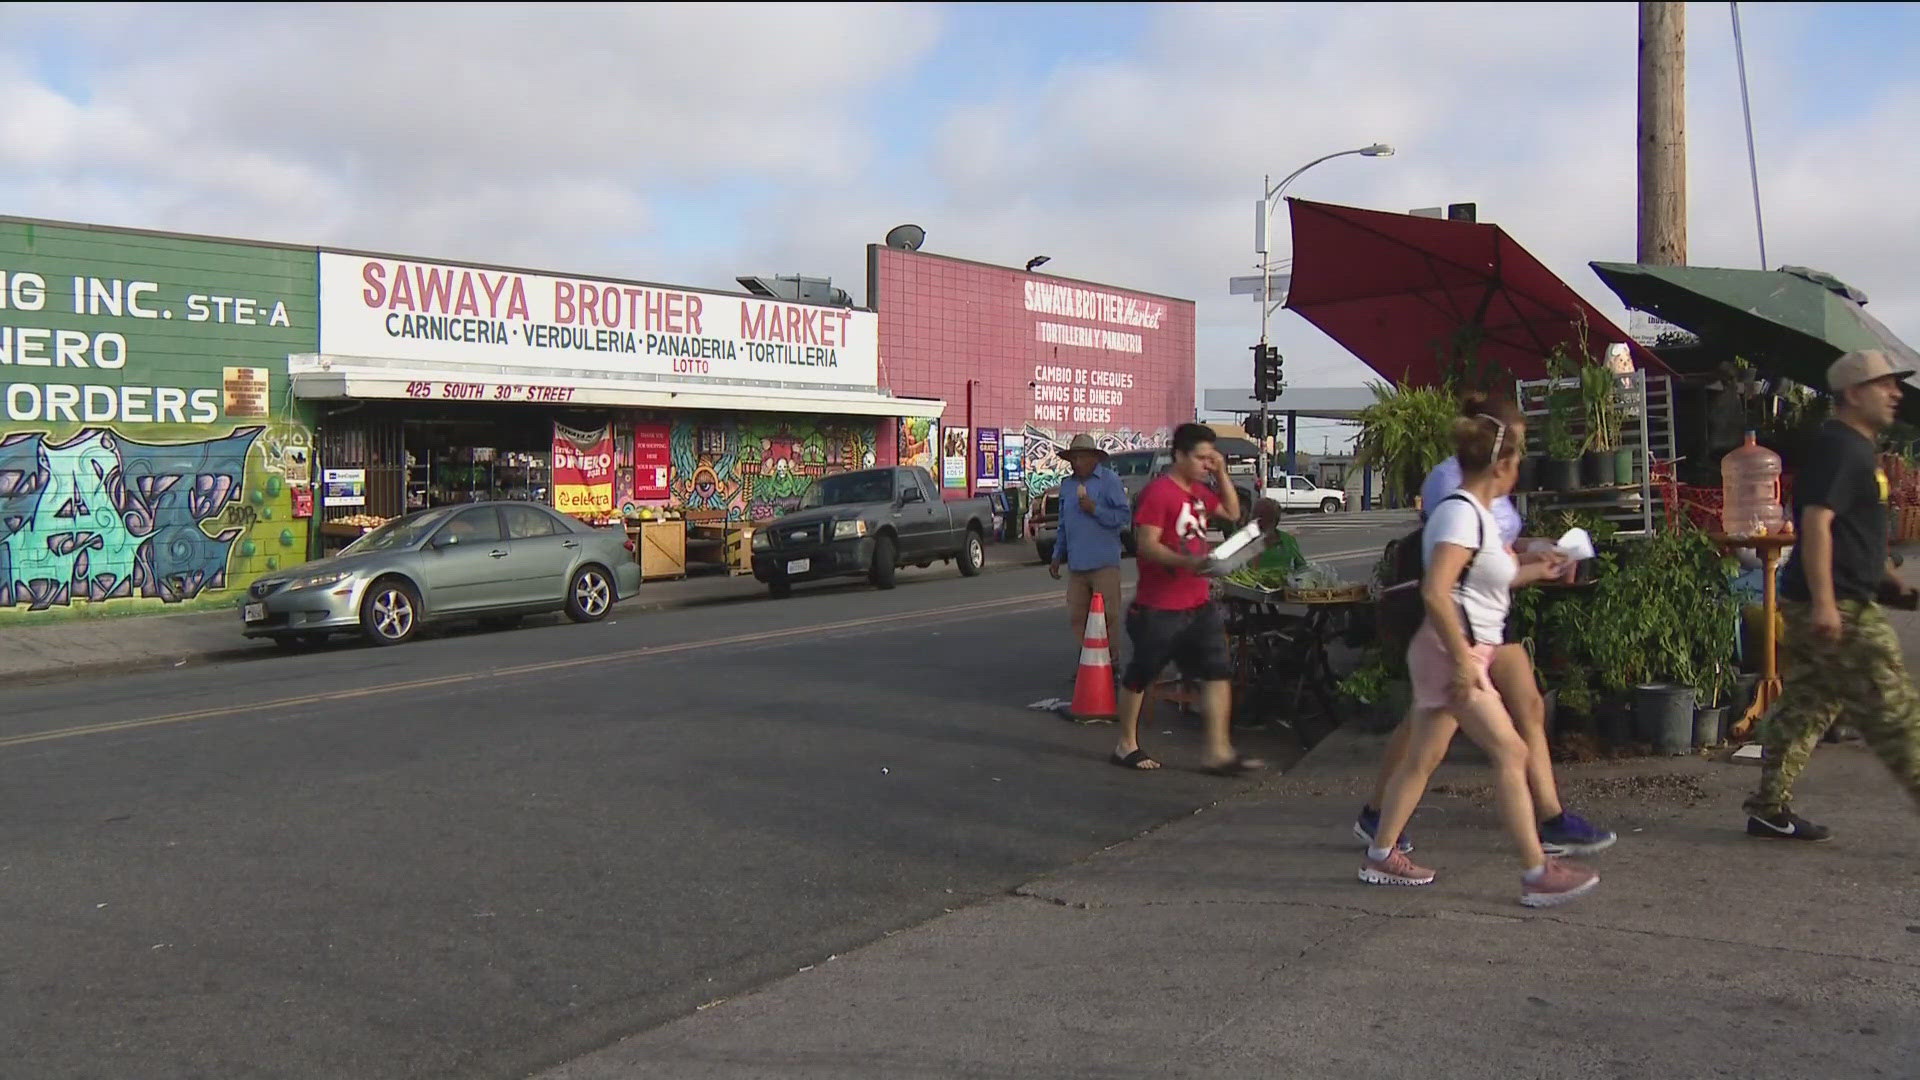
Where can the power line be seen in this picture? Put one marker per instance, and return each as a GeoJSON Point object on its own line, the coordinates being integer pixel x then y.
{"type": "Point", "coordinates": [1746, 108]}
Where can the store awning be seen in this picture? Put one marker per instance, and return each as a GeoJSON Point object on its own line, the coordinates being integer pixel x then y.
{"type": "Point", "coordinates": [343, 378]}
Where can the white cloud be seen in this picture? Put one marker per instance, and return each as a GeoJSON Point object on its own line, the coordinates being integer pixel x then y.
{"type": "Point", "coordinates": [571, 136]}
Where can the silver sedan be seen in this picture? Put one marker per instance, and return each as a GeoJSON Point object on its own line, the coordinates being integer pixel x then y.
{"type": "Point", "coordinates": [492, 561]}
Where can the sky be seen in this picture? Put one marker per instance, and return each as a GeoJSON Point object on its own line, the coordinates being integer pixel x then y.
{"type": "Point", "coordinates": [694, 143]}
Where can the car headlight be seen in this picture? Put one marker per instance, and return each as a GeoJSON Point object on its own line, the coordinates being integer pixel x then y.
{"type": "Point", "coordinates": [318, 581]}
{"type": "Point", "coordinates": [849, 530]}
{"type": "Point", "coordinates": [762, 540]}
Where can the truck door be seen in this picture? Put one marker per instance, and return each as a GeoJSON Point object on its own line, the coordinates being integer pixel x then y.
{"type": "Point", "coordinates": [920, 517]}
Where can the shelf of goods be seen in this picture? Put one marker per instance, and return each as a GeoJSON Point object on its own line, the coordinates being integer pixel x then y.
{"type": "Point", "coordinates": [1645, 404]}
{"type": "Point", "coordinates": [476, 474]}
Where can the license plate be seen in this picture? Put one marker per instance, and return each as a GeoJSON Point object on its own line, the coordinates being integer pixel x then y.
{"type": "Point", "coordinates": [799, 566]}
{"type": "Point", "coordinates": [254, 613]}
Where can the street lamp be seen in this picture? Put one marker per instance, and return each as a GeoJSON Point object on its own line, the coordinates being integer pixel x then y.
{"type": "Point", "coordinates": [1038, 260]}
{"type": "Point", "coordinates": [1262, 225]}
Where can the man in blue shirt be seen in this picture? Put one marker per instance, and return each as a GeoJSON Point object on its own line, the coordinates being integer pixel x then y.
{"type": "Point", "coordinates": [1094, 512]}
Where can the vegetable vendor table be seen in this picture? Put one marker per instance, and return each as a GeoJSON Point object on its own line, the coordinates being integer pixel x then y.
{"type": "Point", "coordinates": [1280, 642]}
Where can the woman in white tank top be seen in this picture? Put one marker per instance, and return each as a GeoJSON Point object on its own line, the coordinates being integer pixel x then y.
{"type": "Point", "coordinates": [1465, 590]}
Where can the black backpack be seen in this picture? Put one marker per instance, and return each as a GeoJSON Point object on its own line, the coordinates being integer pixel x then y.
{"type": "Point", "coordinates": [1400, 611]}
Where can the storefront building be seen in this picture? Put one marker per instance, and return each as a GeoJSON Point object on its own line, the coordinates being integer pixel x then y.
{"type": "Point", "coordinates": [1024, 362]}
{"type": "Point", "coordinates": [151, 458]}
{"type": "Point", "coordinates": [438, 382]}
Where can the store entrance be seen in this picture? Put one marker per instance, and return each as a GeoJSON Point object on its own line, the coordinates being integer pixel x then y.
{"type": "Point", "coordinates": [470, 460]}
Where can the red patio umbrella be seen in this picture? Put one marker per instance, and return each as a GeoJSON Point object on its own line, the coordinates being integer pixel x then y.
{"type": "Point", "coordinates": [1407, 295]}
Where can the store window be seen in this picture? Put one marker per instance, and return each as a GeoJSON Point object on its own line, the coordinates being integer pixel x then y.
{"type": "Point", "coordinates": [528, 522]}
{"type": "Point", "coordinates": [480, 525]}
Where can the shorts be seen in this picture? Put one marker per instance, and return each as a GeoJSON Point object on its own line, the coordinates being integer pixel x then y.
{"type": "Point", "coordinates": [1194, 639]}
{"type": "Point", "coordinates": [1431, 669]}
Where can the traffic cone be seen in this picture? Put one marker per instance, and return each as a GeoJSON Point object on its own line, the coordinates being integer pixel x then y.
{"type": "Point", "coordinates": [1093, 686]}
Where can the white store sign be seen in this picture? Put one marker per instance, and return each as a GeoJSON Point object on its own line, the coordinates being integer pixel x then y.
{"type": "Point", "coordinates": [437, 313]}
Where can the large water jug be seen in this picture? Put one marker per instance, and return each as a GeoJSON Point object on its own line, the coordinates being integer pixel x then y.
{"type": "Point", "coordinates": [1750, 491]}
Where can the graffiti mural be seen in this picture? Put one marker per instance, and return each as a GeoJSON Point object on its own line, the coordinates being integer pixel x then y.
{"type": "Point", "coordinates": [759, 468]}
{"type": "Point", "coordinates": [1045, 466]}
{"type": "Point", "coordinates": [103, 517]}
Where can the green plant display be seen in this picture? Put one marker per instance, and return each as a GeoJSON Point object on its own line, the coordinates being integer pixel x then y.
{"type": "Point", "coordinates": [1405, 433]}
{"type": "Point", "coordinates": [1367, 683]}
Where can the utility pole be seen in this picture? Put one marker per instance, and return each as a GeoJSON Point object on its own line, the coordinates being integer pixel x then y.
{"type": "Point", "coordinates": [1663, 133]}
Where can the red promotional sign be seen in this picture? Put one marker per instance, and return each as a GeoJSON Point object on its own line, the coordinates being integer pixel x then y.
{"type": "Point", "coordinates": [583, 470]}
{"type": "Point", "coordinates": [652, 455]}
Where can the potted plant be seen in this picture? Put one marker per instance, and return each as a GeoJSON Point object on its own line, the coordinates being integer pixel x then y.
{"type": "Point", "coordinates": [1603, 462]}
{"type": "Point", "coordinates": [1404, 434]}
{"type": "Point", "coordinates": [1710, 697]}
{"type": "Point", "coordinates": [1660, 627]}
{"type": "Point", "coordinates": [1559, 471]}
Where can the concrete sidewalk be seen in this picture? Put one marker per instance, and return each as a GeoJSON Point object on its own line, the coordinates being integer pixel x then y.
{"type": "Point", "coordinates": [86, 646]}
{"type": "Point", "coordinates": [1237, 943]}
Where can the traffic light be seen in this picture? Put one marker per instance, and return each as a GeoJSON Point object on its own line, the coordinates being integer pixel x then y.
{"type": "Point", "coordinates": [1267, 380]}
{"type": "Point", "coordinates": [1254, 428]}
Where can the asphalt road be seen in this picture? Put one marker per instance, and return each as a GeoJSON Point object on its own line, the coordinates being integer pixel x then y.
{"type": "Point", "coordinates": [484, 854]}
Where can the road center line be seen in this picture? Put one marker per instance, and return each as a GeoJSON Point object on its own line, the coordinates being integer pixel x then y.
{"type": "Point", "coordinates": [1007, 605]}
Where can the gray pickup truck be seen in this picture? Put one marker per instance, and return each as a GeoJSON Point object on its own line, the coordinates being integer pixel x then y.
{"type": "Point", "coordinates": [870, 523]}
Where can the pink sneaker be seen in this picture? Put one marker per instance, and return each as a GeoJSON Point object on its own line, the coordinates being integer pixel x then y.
{"type": "Point", "coordinates": [1395, 869]}
{"type": "Point", "coordinates": [1562, 882]}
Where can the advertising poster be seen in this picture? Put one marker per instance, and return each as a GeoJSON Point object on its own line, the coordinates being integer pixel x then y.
{"type": "Point", "coordinates": [582, 470]}
{"type": "Point", "coordinates": [1013, 453]}
{"type": "Point", "coordinates": [344, 487]}
{"type": "Point", "coordinates": [987, 450]}
{"type": "Point", "coordinates": [919, 440]}
{"type": "Point", "coordinates": [652, 456]}
{"type": "Point", "coordinates": [953, 456]}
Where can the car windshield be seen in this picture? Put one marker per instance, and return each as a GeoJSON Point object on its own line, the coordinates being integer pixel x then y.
{"type": "Point", "coordinates": [398, 534]}
{"type": "Point", "coordinates": [847, 489]}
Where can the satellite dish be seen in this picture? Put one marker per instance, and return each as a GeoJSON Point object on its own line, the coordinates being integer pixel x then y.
{"type": "Point", "coordinates": [906, 237]}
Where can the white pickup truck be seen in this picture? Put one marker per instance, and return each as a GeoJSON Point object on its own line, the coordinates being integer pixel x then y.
{"type": "Point", "coordinates": [1295, 493]}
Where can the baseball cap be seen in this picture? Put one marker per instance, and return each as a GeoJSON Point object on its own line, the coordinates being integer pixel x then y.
{"type": "Point", "coordinates": [1863, 366]}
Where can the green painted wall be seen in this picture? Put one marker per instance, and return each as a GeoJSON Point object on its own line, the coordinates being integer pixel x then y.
{"type": "Point", "coordinates": [139, 469]}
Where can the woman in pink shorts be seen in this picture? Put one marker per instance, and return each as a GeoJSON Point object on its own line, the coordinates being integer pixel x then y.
{"type": "Point", "coordinates": [1465, 589]}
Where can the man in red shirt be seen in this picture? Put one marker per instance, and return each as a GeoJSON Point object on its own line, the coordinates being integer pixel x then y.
{"type": "Point", "coordinates": [1173, 617]}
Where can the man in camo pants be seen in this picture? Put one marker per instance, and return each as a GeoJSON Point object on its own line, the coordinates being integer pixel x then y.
{"type": "Point", "coordinates": [1840, 657]}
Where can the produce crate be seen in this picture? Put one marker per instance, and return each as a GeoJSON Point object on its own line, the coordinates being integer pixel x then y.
{"type": "Point", "coordinates": [740, 550]}
{"type": "Point", "coordinates": [662, 549]}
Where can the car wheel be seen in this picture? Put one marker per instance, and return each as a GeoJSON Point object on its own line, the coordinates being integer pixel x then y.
{"type": "Point", "coordinates": [973, 554]}
{"type": "Point", "coordinates": [501, 622]}
{"type": "Point", "coordinates": [780, 590]}
{"type": "Point", "coordinates": [883, 563]}
{"type": "Point", "coordinates": [1330, 506]}
{"type": "Point", "coordinates": [390, 612]}
{"type": "Point", "coordinates": [590, 595]}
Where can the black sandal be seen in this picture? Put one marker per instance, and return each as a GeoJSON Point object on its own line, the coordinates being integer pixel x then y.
{"type": "Point", "coordinates": [1133, 761]}
{"type": "Point", "coordinates": [1239, 766]}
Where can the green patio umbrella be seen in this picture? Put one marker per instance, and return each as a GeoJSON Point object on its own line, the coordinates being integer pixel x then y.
{"type": "Point", "coordinates": [1791, 322]}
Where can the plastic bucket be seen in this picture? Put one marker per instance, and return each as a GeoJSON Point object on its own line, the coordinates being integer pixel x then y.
{"type": "Point", "coordinates": [1664, 717]}
{"type": "Point", "coordinates": [1708, 726]}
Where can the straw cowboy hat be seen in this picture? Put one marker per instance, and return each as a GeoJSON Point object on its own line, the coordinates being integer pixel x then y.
{"type": "Point", "coordinates": [1084, 444]}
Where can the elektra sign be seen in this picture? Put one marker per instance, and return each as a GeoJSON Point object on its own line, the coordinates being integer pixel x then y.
{"type": "Point", "coordinates": [440, 313]}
